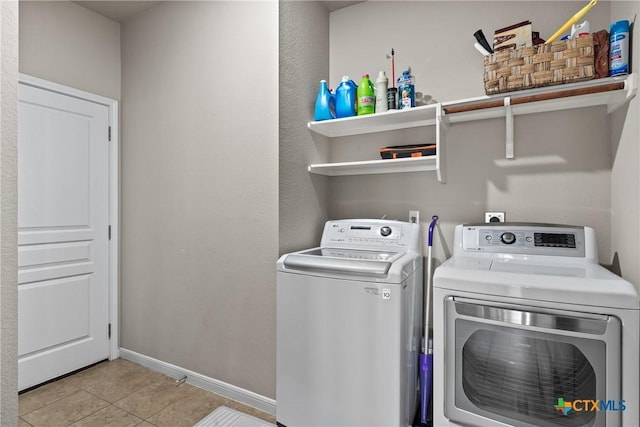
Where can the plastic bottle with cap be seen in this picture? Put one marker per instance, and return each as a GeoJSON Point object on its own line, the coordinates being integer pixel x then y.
{"type": "Point", "coordinates": [346, 98]}
{"type": "Point", "coordinates": [580, 30]}
{"type": "Point", "coordinates": [619, 48]}
{"type": "Point", "coordinates": [406, 90]}
{"type": "Point", "coordinates": [382, 83]}
{"type": "Point", "coordinates": [366, 96]}
{"type": "Point", "coordinates": [325, 103]}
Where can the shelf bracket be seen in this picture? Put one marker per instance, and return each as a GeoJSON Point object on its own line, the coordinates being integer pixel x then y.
{"type": "Point", "coordinates": [441, 144]}
{"type": "Point", "coordinates": [630, 87]}
{"type": "Point", "coordinates": [509, 128]}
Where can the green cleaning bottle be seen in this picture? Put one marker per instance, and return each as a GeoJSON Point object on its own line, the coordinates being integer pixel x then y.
{"type": "Point", "coordinates": [366, 96]}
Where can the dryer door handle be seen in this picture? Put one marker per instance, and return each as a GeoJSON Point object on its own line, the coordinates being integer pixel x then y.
{"type": "Point", "coordinates": [537, 319]}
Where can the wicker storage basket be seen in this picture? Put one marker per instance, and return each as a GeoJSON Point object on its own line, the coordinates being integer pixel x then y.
{"type": "Point", "coordinates": [559, 62]}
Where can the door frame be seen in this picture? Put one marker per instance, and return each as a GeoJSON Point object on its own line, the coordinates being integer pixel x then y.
{"type": "Point", "coordinates": [114, 195]}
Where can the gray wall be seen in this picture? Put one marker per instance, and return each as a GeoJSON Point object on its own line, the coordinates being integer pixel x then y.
{"type": "Point", "coordinates": [8, 213]}
{"type": "Point", "coordinates": [65, 43]}
{"type": "Point", "coordinates": [563, 167]}
{"type": "Point", "coordinates": [304, 61]}
{"type": "Point", "coordinates": [200, 188]}
{"type": "Point", "coordinates": [625, 194]}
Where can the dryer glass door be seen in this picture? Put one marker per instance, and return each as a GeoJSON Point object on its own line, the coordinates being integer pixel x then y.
{"type": "Point", "coordinates": [530, 366]}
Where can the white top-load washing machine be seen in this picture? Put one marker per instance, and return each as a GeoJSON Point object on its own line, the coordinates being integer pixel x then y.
{"type": "Point", "coordinates": [529, 330]}
{"type": "Point", "coordinates": [349, 316]}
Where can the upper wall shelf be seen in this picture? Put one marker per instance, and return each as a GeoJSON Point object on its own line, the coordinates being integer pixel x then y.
{"type": "Point", "coordinates": [391, 120]}
{"type": "Point", "coordinates": [611, 91]}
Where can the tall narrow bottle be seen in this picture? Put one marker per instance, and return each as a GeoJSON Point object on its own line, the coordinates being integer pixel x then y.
{"type": "Point", "coordinates": [382, 82]}
{"type": "Point", "coordinates": [366, 96]}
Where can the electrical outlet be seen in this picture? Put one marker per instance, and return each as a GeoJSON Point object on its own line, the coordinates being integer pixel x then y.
{"type": "Point", "coordinates": [414, 216]}
{"type": "Point", "coordinates": [494, 217]}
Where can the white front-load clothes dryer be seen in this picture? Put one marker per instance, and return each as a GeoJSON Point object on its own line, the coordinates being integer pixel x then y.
{"type": "Point", "coordinates": [349, 316]}
{"type": "Point", "coordinates": [529, 330]}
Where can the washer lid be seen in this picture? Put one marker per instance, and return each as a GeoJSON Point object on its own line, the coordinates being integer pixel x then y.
{"type": "Point", "coordinates": [345, 261]}
{"type": "Point", "coordinates": [382, 266]}
{"type": "Point", "coordinates": [586, 285]}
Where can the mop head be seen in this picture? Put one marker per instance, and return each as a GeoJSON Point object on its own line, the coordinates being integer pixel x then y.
{"type": "Point", "coordinates": [426, 376]}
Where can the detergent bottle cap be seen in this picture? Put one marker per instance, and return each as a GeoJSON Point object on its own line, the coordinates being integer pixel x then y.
{"type": "Point", "coordinates": [406, 76]}
{"type": "Point", "coordinates": [382, 77]}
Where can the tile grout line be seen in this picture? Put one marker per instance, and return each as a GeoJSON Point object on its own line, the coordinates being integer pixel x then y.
{"type": "Point", "coordinates": [52, 403]}
{"type": "Point", "coordinates": [54, 382]}
{"type": "Point", "coordinates": [113, 404]}
{"type": "Point", "coordinates": [106, 407]}
{"type": "Point", "coordinates": [162, 409]}
{"type": "Point", "coordinates": [137, 391]}
{"type": "Point", "coordinates": [94, 412]}
{"type": "Point", "coordinates": [128, 412]}
{"type": "Point", "coordinates": [142, 419]}
{"type": "Point", "coordinates": [97, 397]}
{"type": "Point", "coordinates": [48, 403]}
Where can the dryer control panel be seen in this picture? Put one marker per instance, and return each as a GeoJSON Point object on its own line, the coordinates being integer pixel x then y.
{"type": "Point", "coordinates": [528, 239]}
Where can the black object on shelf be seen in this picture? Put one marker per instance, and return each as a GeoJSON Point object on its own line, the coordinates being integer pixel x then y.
{"type": "Point", "coordinates": [479, 35]}
{"type": "Point", "coordinates": [403, 151]}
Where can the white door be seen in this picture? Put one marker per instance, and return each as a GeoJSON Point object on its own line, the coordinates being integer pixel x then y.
{"type": "Point", "coordinates": [63, 241]}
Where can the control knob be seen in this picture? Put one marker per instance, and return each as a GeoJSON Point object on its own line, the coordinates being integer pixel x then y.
{"type": "Point", "coordinates": [385, 231]}
{"type": "Point", "coordinates": [508, 238]}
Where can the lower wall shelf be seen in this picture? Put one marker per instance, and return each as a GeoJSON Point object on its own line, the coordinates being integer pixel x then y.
{"type": "Point", "coordinates": [409, 164]}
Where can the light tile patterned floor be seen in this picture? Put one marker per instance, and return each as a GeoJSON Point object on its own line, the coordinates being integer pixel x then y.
{"type": "Point", "coordinates": [121, 394]}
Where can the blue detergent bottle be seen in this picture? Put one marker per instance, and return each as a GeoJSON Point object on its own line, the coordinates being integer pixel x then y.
{"type": "Point", "coordinates": [346, 98]}
{"type": "Point", "coordinates": [619, 48]}
{"type": "Point", "coordinates": [325, 103]}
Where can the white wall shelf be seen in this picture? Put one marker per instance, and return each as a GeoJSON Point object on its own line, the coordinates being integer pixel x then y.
{"type": "Point", "coordinates": [426, 115]}
{"type": "Point", "coordinates": [391, 120]}
{"type": "Point", "coordinates": [409, 164]}
{"type": "Point", "coordinates": [612, 92]}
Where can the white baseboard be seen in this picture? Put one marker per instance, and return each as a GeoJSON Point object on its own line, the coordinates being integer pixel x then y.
{"type": "Point", "coordinates": [238, 394]}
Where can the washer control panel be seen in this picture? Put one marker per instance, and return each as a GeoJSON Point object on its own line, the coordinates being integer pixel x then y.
{"type": "Point", "coordinates": [532, 239]}
{"type": "Point", "coordinates": [366, 233]}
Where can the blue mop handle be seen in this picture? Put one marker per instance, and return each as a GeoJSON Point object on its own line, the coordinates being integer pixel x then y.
{"type": "Point", "coordinates": [434, 219]}
{"type": "Point", "coordinates": [427, 291]}
{"type": "Point", "coordinates": [426, 358]}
